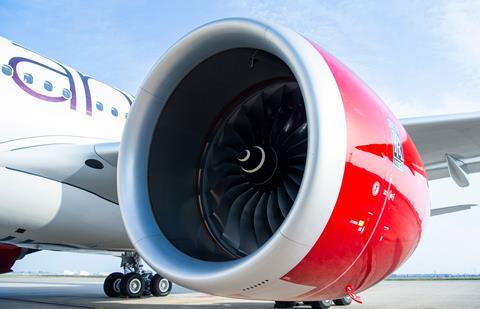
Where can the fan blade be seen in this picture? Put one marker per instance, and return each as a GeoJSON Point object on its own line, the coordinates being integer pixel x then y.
{"type": "Point", "coordinates": [289, 124]}
{"type": "Point", "coordinates": [274, 215]}
{"type": "Point", "coordinates": [297, 168]}
{"type": "Point", "coordinates": [274, 99]}
{"type": "Point", "coordinates": [256, 115]}
{"type": "Point", "coordinates": [296, 136]}
{"type": "Point", "coordinates": [248, 239]}
{"type": "Point", "coordinates": [242, 125]}
{"type": "Point", "coordinates": [274, 108]}
{"type": "Point", "coordinates": [232, 227]}
{"type": "Point", "coordinates": [225, 169]}
{"type": "Point", "coordinates": [300, 147]}
{"type": "Point", "coordinates": [223, 154]}
{"type": "Point", "coordinates": [296, 178]}
{"type": "Point", "coordinates": [260, 220]}
{"type": "Point", "coordinates": [231, 138]}
{"type": "Point", "coordinates": [220, 184]}
{"type": "Point", "coordinates": [222, 209]}
{"type": "Point", "coordinates": [284, 201]}
{"type": "Point", "coordinates": [297, 158]}
{"type": "Point", "coordinates": [291, 188]}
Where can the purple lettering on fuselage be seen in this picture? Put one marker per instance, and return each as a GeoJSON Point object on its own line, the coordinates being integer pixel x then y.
{"type": "Point", "coordinates": [73, 104]}
{"type": "Point", "coordinates": [88, 95]}
{"type": "Point", "coordinates": [16, 60]}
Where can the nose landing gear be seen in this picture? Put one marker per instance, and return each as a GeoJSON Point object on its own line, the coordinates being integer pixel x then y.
{"type": "Point", "coordinates": [135, 281]}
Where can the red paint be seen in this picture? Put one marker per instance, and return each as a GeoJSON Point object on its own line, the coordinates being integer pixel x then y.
{"type": "Point", "coordinates": [8, 256]}
{"type": "Point", "coordinates": [352, 294]}
{"type": "Point", "coordinates": [368, 236]}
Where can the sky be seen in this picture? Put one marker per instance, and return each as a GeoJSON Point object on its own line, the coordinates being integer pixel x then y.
{"type": "Point", "coordinates": [421, 57]}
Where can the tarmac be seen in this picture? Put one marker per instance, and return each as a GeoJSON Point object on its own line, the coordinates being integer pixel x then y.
{"type": "Point", "coordinates": [78, 292]}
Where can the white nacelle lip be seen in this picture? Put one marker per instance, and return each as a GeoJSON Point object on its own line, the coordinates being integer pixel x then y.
{"type": "Point", "coordinates": [327, 144]}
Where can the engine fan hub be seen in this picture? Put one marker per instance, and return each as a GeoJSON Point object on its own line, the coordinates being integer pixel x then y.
{"type": "Point", "coordinates": [259, 163]}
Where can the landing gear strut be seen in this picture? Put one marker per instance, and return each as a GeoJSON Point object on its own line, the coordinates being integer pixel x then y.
{"type": "Point", "coordinates": [135, 282]}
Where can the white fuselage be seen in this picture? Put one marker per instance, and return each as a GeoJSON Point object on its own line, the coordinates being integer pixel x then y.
{"type": "Point", "coordinates": [45, 103]}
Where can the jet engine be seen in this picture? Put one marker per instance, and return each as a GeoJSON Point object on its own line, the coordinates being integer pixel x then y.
{"type": "Point", "coordinates": [255, 165]}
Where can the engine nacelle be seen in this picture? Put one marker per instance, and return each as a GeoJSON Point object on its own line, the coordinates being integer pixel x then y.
{"type": "Point", "coordinates": [255, 165]}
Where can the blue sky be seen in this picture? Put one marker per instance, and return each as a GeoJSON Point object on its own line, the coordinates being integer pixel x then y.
{"type": "Point", "coordinates": [421, 57]}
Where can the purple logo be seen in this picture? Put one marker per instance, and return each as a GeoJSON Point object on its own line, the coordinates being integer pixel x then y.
{"type": "Point", "coordinates": [16, 60]}
{"type": "Point", "coordinates": [66, 73]}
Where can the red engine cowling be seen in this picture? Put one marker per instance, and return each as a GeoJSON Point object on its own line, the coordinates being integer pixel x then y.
{"type": "Point", "coordinates": [255, 165]}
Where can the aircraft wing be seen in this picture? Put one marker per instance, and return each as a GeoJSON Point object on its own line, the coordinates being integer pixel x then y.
{"type": "Point", "coordinates": [449, 145]}
{"type": "Point", "coordinates": [450, 209]}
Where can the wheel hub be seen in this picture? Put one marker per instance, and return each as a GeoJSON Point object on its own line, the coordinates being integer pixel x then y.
{"type": "Point", "coordinates": [164, 285]}
{"type": "Point", "coordinates": [116, 285]}
{"type": "Point", "coordinates": [135, 286]}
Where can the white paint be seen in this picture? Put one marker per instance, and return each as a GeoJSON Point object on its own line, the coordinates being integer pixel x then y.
{"type": "Point", "coordinates": [49, 211]}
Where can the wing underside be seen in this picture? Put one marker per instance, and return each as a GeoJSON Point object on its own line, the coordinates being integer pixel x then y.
{"type": "Point", "coordinates": [450, 147]}
{"type": "Point", "coordinates": [440, 138]}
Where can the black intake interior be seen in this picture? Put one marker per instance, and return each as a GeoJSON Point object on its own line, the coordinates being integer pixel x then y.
{"type": "Point", "coordinates": [227, 156]}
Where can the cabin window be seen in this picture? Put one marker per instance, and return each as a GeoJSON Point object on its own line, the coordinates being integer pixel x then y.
{"type": "Point", "coordinates": [28, 78]}
{"type": "Point", "coordinates": [126, 115]}
{"type": "Point", "coordinates": [99, 106]}
{"type": "Point", "coordinates": [48, 86]}
{"type": "Point", "coordinates": [66, 93]}
{"type": "Point", "coordinates": [7, 70]}
{"type": "Point", "coordinates": [114, 112]}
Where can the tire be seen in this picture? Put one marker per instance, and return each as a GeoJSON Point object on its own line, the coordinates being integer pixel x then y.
{"type": "Point", "coordinates": [344, 301]}
{"type": "Point", "coordinates": [111, 285]}
{"type": "Point", "coordinates": [322, 304]}
{"type": "Point", "coordinates": [160, 286]}
{"type": "Point", "coordinates": [132, 285]}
